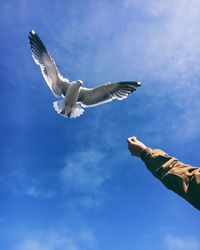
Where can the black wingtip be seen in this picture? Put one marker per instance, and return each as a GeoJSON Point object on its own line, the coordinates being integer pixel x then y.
{"type": "Point", "coordinates": [32, 33]}
{"type": "Point", "coordinates": [35, 41]}
{"type": "Point", "coordinates": [131, 83]}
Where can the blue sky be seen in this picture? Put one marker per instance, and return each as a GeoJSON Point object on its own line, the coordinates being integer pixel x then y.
{"type": "Point", "coordinates": [71, 184]}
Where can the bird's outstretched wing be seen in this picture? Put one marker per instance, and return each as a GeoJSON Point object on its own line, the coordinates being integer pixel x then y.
{"type": "Point", "coordinates": [53, 78]}
{"type": "Point", "coordinates": [106, 93]}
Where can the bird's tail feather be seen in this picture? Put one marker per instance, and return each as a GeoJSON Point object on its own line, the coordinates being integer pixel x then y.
{"type": "Point", "coordinates": [76, 111]}
{"type": "Point", "coordinates": [58, 106]}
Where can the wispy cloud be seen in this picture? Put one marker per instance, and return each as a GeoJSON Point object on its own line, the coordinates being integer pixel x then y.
{"type": "Point", "coordinates": [83, 171]}
{"type": "Point", "coordinates": [169, 43]}
{"type": "Point", "coordinates": [173, 242]}
{"type": "Point", "coordinates": [51, 240]}
{"type": "Point", "coordinates": [85, 174]}
{"type": "Point", "coordinates": [19, 182]}
{"type": "Point", "coordinates": [155, 7]}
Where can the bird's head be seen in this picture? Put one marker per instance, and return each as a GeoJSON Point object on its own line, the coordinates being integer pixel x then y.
{"type": "Point", "coordinates": [80, 82]}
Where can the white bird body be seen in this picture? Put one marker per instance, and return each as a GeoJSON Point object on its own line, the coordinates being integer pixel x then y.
{"type": "Point", "coordinates": [68, 106]}
{"type": "Point", "coordinates": [75, 97]}
{"type": "Point", "coordinates": [72, 94]}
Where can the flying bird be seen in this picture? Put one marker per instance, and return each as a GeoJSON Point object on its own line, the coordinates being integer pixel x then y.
{"type": "Point", "coordinates": [74, 96]}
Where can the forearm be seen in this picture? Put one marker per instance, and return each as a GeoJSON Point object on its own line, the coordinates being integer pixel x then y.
{"type": "Point", "coordinates": [181, 178]}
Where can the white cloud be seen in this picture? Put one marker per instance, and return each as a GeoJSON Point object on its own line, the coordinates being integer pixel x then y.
{"type": "Point", "coordinates": [87, 235]}
{"type": "Point", "coordinates": [32, 245]}
{"type": "Point", "coordinates": [85, 175]}
{"type": "Point", "coordinates": [85, 172]}
{"type": "Point", "coordinates": [52, 240]}
{"type": "Point", "coordinates": [169, 44]}
{"type": "Point", "coordinates": [20, 182]}
{"type": "Point", "coordinates": [154, 7]}
{"type": "Point", "coordinates": [173, 242]}
{"type": "Point", "coordinates": [90, 201]}
{"type": "Point", "coordinates": [57, 243]}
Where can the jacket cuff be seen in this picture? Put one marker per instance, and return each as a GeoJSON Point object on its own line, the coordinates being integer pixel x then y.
{"type": "Point", "coordinates": [145, 153]}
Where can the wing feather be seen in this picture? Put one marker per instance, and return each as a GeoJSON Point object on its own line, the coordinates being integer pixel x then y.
{"type": "Point", "coordinates": [53, 78]}
{"type": "Point", "coordinates": [106, 93]}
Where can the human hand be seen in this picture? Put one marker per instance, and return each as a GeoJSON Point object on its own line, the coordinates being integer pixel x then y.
{"type": "Point", "coordinates": [135, 146]}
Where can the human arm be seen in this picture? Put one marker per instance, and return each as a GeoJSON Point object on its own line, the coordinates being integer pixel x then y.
{"type": "Point", "coordinates": [181, 178]}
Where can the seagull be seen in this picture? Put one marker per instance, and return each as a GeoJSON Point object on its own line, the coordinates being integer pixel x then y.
{"type": "Point", "coordinates": [74, 96]}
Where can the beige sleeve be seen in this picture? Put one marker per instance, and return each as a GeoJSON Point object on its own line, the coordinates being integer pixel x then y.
{"type": "Point", "coordinates": [183, 179]}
